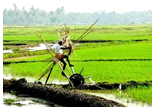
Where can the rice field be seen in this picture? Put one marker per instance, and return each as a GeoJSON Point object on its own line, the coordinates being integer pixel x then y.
{"type": "Point", "coordinates": [121, 60]}
{"type": "Point", "coordinates": [101, 32]}
{"type": "Point", "coordinates": [113, 60]}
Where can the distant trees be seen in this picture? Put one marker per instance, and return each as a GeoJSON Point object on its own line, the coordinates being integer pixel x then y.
{"type": "Point", "coordinates": [40, 17]}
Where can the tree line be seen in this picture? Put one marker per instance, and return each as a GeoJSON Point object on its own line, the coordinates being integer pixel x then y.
{"type": "Point", "coordinates": [36, 16]}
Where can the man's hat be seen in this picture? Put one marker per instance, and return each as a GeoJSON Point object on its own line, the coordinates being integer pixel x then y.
{"type": "Point", "coordinates": [59, 41]}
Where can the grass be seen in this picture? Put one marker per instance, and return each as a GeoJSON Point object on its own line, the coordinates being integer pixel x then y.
{"type": "Point", "coordinates": [26, 70]}
{"type": "Point", "coordinates": [142, 50]}
{"type": "Point", "coordinates": [9, 101]}
{"type": "Point", "coordinates": [134, 50]}
{"type": "Point", "coordinates": [135, 95]}
{"type": "Point", "coordinates": [141, 93]}
{"type": "Point", "coordinates": [104, 32]}
{"type": "Point", "coordinates": [115, 71]}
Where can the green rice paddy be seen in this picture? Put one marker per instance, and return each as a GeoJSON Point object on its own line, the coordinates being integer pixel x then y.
{"type": "Point", "coordinates": [121, 60]}
{"type": "Point", "coordinates": [103, 32]}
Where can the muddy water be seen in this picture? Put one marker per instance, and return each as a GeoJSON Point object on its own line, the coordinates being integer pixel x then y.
{"type": "Point", "coordinates": [40, 47]}
{"type": "Point", "coordinates": [7, 51]}
{"type": "Point", "coordinates": [26, 101]}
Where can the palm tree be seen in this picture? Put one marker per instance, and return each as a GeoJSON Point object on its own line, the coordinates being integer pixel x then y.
{"type": "Point", "coordinates": [31, 15]}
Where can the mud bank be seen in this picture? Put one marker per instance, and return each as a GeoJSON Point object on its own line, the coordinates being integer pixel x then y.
{"type": "Point", "coordinates": [64, 97]}
{"type": "Point", "coordinates": [106, 85]}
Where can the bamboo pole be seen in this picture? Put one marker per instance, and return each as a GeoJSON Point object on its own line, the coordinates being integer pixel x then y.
{"type": "Point", "coordinates": [85, 32]}
{"type": "Point", "coordinates": [82, 37]}
{"type": "Point", "coordinates": [68, 71]}
{"type": "Point", "coordinates": [48, 48]}
{"type": "Point", "coordinates": [45, 71]}
{"type": "Point", "coordinates": [53, 57]}
{"type": "Point", "coordinates": [50, 72]}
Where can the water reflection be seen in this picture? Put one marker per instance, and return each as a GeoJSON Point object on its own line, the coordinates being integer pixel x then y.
{"type": "Point", "coordinates": [7, 51]}
{"type": "Point", "coordinates": [41, 47]}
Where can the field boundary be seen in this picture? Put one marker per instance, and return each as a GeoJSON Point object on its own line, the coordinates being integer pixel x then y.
{"type": "Point", "coordinates": [9, 62]}
{"type": "Point", "coordinates": [88, 41]}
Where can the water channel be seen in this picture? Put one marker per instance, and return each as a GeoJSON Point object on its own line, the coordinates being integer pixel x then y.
{"type": "Point", "coordinates": [36, 48]}
{"type": "Point", "coordinates": [22, 100]}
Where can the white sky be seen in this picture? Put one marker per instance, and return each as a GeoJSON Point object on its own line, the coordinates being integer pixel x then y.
{"type": "Point", "coordinates": [119, 6]}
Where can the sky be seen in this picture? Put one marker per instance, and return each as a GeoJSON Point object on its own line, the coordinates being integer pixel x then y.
{"type": "Point", "coordinates": [119, 6]}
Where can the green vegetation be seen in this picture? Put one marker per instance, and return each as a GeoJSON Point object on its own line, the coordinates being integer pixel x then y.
{"type": "Point", "coordinates": [115, 71]}
{"type": "Point", "coordinates": [9, 101]}
{"type": "Point", "coordinates": [140, 50]}
{"type": "Point", "coordinates": [132, 94]}
{"type": "Point", "coordinates": [141, 93]}
{"type": "Point", "coordinates": [20, 53]}
{"type": "Point", "coordinates": [128, 56]}
{"type": "Point", "coordinates": [106, 32]}
{"type": "Point", "coordinates": [135, 60]}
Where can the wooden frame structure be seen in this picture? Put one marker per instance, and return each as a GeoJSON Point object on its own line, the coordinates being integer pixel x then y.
{"type": "Point", "coordinates": [56, 61]}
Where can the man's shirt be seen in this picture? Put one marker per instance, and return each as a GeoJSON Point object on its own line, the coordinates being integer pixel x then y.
{"type": "Point", "coordinates": [57, 49]}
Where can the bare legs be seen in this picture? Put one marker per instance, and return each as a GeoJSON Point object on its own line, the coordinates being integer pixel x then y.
{"type": "Point", "coordinates": [64, 63]}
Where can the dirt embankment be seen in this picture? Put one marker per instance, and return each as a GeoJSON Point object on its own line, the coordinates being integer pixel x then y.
{"type": "Point", "coordinates": [106, 85]}
{"type": "Point", "coordinates": [64, 97]}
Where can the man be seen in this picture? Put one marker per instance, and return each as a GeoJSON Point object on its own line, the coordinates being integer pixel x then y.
{"type": "Point", "coordinates": [59, 55]}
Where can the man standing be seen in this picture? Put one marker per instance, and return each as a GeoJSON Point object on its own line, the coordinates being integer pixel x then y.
{"type": "Point", "coordinates": [59, 55]}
